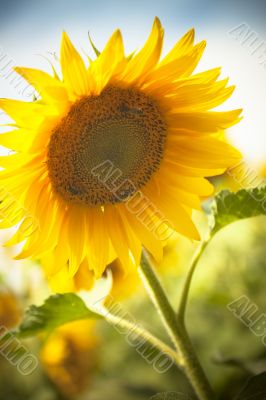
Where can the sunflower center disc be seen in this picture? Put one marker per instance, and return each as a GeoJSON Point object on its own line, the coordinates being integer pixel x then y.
{"type": "Point", "coordinates": [107, 147]}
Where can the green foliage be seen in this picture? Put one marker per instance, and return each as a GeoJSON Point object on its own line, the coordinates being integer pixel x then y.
{"type": "Point", "coordinates": [229, 207]}
{"type": "Point", "coordinates": [170, 396]}
{"type": "Point", "coordinates": [96, 51]}
{"type": "Point", "coordinates": [255, 388]}
{"type": "Point", "coordinates": [57, 310]}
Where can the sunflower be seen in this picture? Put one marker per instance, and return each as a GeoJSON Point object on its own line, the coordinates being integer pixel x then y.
{"type": "Point", "coordinates": [10, 310]}
{"type": "Point", "coordinates": [69, 356]}
{"type": "Point", "coordinates": [114, 155]}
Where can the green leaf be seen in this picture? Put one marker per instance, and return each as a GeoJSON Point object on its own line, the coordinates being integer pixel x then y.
{"type": "Point", "coordinates": [57, 310]}
{"type": "Point", "coordinates": [255, 388]}
{"type": "Point", "coordinates": [131, 55]}
{"type": "Point", "coordinates": [229, 207]}
{"type": "Point", "coordinates": [96, 51]}
{"type": "Point", "coordinates": [252, 367]}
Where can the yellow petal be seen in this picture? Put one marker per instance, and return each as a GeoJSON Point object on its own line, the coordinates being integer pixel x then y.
{"type": "Point", "coordinates": [133, 241]}
{"type": "Point", "coordinates": [25, 114]}
{"type": "Point", "coordinates": [98, 240]}
{"type": "Point", "coordinates": [76, 238]}
{"type": "Point", "coordinates": [117, 233]}
{"type": "Point", "coordinates": [170, 87]}
{"type": "Point", "coordinates": [46, 85]}
{"type": "Point", "coordinates": [146, 236]}
{"type": "Point", "coordinates": [123, 283]}
{"type": "Point", "coordinates": [176, 194]}
{"type": "Point", "coordinates": [62, 282]}
{"type": "Point", "coordinates": [106, 65]}
{"type": "Point", "coordinates": [147, 58]}
{"type": "Point", "coordinates": [204, 152]}
{"type": "Point", "coordinates": [181, 47]}
{"type": "Point", "coordinates": [62, 250]}
{"type": "Point", "coordinates": [178, 68]}
{"type": "Point", "coordinates": [16, 140]}
{"type": "Point", "coordinates": [13, 160]}
{"type": "Point", "coordinates": [200, 97]}
{"type": "Point", "coordinates": [199, 186]}
{"type": "Point", "coordinates": [84, 278]}
{"type": "Point", "coordinates": [75, 74]}
{"type": "Point", "coordinates": [208, 76]}
{"type": "Point", "coordinates": [211, 121]}
{"type": "Point", "coordinates": [11, 212]}
{"type": "Point", "coordinates": [171, 162]}
{"type": "Point", "coordinates": [40, 239]}
{"type": "Point", "coordinates": [176, 215]}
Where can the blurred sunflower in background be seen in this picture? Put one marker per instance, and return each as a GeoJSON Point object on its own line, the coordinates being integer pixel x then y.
{"type": "Point", "coordinates": [69, 357]}
{"type": "Point", "coordinates": [10, 309]}
{"type": "Point", "coordinates": [113, 154]}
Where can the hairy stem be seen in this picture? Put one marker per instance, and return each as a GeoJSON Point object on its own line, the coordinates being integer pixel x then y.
{"type": "Point", "coordinates": [130, 326]}
{"type": "Point", "coordinates": [176, 329]}
{"type": "Point", "coordinates": [185, 293]}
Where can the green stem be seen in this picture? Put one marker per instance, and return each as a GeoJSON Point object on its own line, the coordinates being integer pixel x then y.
{"type": "Point", "coordinates": [188, 359]}
{"type": "Point", "coordinates": [184, 296]}
{"type": "Point", "coordinates": [116, 320]}
{"type": "Point", "coordinates": [158, 297]}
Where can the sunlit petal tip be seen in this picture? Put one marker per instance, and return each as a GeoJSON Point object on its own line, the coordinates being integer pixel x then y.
{"type": "Point", "coordinates": [157, 22]}
{"type": "Point", "coordinates": [191, 33]}
{"type": "Point", "coordinates": [64, 36]}
{"type": "Point", "coordinates": [117, 34]}
{"type": "Point", "coordinates": [117, 38]}
{"type": "Point", "coordinates": [66, 43]}
{"type": "Point", "coordinates": [237, 113]}
{"type": "Point", "coordinates": [237, 155]}
{"type": "Point", "coordinates": [157, 25]}
{"type": "Point", "coordinates": [201, 45]}
{"type": "Point", "coordinates": [189, 36]}
{"type": "Point", "coordinates": [224, 81]}
{"type": "Point", "coordinates": [19, 70]}
{"type": "Point", "coordinates": [229, 90]}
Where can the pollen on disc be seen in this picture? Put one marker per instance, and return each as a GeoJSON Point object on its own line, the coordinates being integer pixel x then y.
{"type": "Point", "coordinates": [107, 147]}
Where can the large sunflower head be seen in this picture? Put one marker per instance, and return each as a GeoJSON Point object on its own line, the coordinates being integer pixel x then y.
{"type": "Point", "coordinates": [114, 155]}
